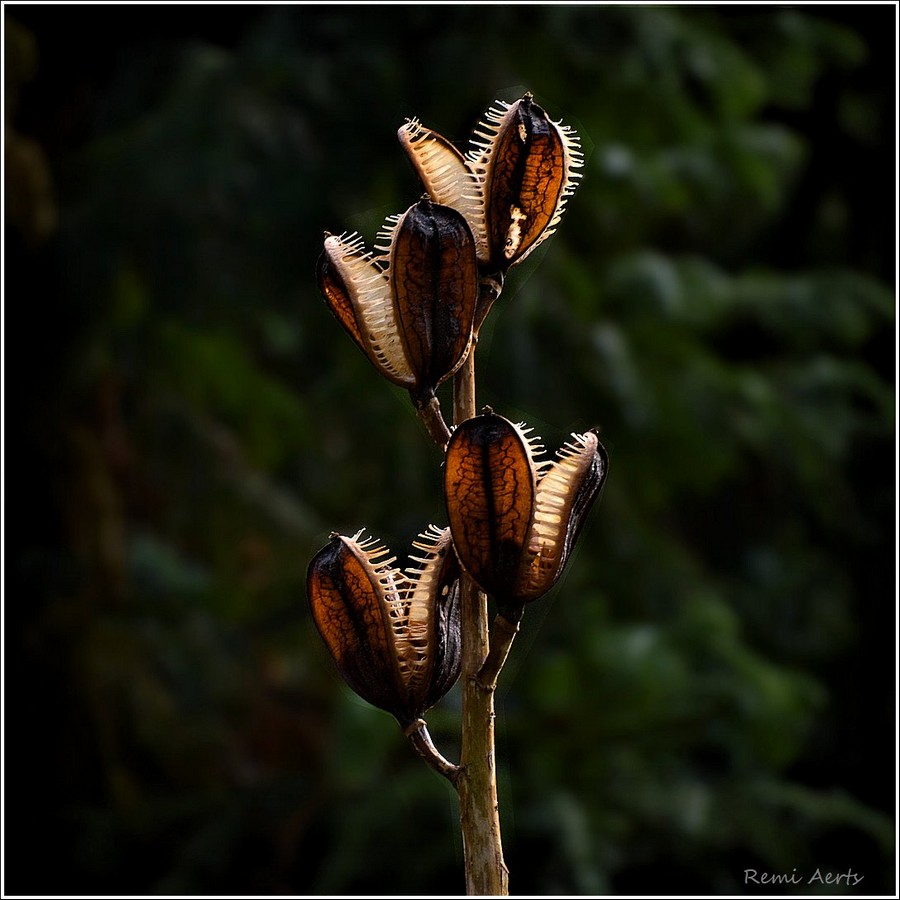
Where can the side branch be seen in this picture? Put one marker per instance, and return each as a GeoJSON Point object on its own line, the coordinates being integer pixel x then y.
{"type": "Point", "coordinates": [502, 635]}
{"type": "Point", "coordinates": [428, 410]}
{"type": "Point", "coordinates": [420, 739]}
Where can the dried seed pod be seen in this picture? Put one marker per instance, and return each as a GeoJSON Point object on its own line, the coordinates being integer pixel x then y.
{"type": "Point", "coordinates": [528, 164]}
{"type": "Point", "coordinates": [447, 176]}
{"type": "Point", "coordinates": [515, 519]}
{"type": "Point", "coordinates": [357, 290]}
{"type": "Point", "coordinates": [394, 636]}
{"type": "Point", "coordinates": [512, 185]}
{"type": "Point", "coordinates": [411, 308]}
{"type": "Point", "coordinates": [434, 276]}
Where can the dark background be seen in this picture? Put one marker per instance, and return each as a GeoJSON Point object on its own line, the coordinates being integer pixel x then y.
{"type": "Point", "coordinates": [711, 686]}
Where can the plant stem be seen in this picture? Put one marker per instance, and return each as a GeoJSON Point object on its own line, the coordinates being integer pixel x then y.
{"type": "Point", "coordinates": [486, 872]}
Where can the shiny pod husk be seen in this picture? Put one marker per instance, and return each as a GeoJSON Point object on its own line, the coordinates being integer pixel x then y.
{"type": "Point", "coordinates": [434, 275]}
{"type": "Point", "coordinates": [394, 636]}
{"type": "Point", "coordinates": [411, 308]}
{"type": "Point", "coordinates": [513, 183]}
{"type": "Point", "coordinates": [514, 518]}
{"type": "Point", "coordinates": [524, 181]}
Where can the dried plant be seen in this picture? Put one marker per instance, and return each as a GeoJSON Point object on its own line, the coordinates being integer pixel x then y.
{"type": "Point", "coordinates": [401, 639]}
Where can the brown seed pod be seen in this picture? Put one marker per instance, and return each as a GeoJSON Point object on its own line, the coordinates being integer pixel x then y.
{"type": "Point", "coordinates": [434, 277]}
{"type": "Point", "coordinates": [411, 308]}
{"type": "Point", "coordinates": [512, 185]}
{"type": "Point", "coordinates": [394, 636]}
{"type": "Point", "coordinates": [525, 176]}
{"type": "Point", "coordinates": [514, 519]}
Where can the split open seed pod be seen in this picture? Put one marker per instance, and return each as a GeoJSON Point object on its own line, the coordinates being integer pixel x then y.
{"type": "Point", "coordinates": [512, 184]}
{"type": "Point", "coordinates": [515, 518]}
{"type": "Point", "coordinates": [394, 636]}
{"type": "Point", "coordinates": [411, 308]}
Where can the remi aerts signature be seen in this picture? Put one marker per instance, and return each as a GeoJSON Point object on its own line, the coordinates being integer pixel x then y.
{"type": "Point", "coordinates": [820, 876]}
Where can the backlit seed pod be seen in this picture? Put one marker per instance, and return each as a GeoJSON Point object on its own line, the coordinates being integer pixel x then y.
{"type": "Point", "coordinates": [513, 183]}
{"type": "Point", "coordinates": [395, 636]}
{"type": "Point", "coordinates": [411, 308]}
{"type": "Point", "coordinates": [515, 519]}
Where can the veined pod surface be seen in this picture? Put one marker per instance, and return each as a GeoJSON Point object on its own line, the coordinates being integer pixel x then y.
{"type": "Point", "coordinates": [394, 636]}
{"type": "Point", "coordinates": [525, 177]}
{"type": "Point", "coordinates": [513, 183]}
{"type": "Point", "coordinates": [434, 276]}
{"type": "Point", "coordinates": [411, 308]}
{"type": "Point", "coordinates": [515, 518]}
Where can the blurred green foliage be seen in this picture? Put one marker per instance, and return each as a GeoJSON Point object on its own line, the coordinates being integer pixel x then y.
{"type": "Point", "coordinates": [709, 689]}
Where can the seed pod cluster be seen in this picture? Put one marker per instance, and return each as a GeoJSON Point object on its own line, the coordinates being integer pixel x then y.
{"type": "Point", "coordinates": [414, 307]}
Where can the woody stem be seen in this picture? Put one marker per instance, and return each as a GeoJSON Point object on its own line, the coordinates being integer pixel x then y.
{"type": "Point", "coordinates": [486, 872]}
